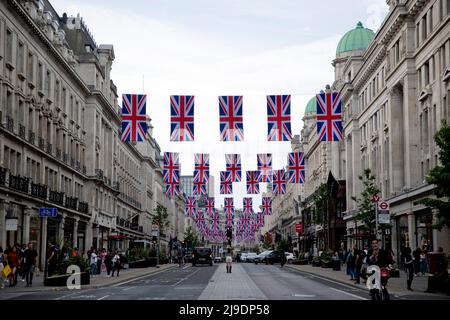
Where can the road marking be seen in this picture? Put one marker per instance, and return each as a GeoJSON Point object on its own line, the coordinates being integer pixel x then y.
{"type": "Point", "coordinates": [304, 295]}
{"type": "Point", "coordinates": [103, 297]}
{"type": "Point", "coordinates": [67, 295]}
{"type": "Point", "coordinates": [138, 278]}
{"type": "Point", "coordinates": [185, 267]}
{"type": "Point", "coordinates": [185, 278]}
{"type": "Point", "coordinates": [126, 289]}
{"type": "Point", "coordinates": [347, 293]}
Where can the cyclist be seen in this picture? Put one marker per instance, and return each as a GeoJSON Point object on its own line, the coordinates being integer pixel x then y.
{"type": "Point", "coordinates": [379, 257]}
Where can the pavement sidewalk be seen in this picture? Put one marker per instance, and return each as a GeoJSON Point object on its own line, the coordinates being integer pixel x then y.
{"type": "Point", "coordinates": [236, 285]}
{"type": "Point", "coordinates": [95, 282]}
{"type": "Point", "coordinates": [396, 286]}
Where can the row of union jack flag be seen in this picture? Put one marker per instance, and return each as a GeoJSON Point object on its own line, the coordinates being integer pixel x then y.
{"type": "Point", "coordinates": [328, 115]}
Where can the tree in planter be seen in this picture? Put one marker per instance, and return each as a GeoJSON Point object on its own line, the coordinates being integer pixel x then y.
{"type": "Point", "coordinates": [365, 206]}
{"type": "Point", "coordinates": [161, 218]}
{"type": "Point", "coordinates": [191, 238]}
{"type": "Point", "coordinates": [440, 177]}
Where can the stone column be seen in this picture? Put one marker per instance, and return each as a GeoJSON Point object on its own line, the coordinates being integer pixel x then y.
{"type": "Point", "coordinates": [61, 230]}
{"type": "Point", "coordinates": [43, 250]}
{"type": "Point", "coordinates": [394, 238]}
{"type": "Point", "coordinates": [26, 225]}
{"type": "Point", "coordinates": [396, 127]}
{"type": "Point", "coordinates": [75, 233]}
{"type": "Point", "coordinates": [412, 230]}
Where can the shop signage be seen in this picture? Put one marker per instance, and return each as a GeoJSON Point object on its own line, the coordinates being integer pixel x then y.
{"type": "Point", "coordinates": [11, 224]}
{"type": "Point", "coordinates": [48, 212]}
{"type": "Point", "coordinates": [383, 218]}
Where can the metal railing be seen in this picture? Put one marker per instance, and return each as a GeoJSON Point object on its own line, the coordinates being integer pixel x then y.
{"type": "Point", "coordinates": [19, 183]}
{"type": "Point", "coordinates": [56, 197]}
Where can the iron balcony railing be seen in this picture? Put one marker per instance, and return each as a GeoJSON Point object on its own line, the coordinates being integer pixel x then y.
{"type": "Point", "coordinates": [83, 207]}
{"type": "Point", "coordinates": [31, 137]}
{"type": "Point", "coordinates": [39, 190]}
{"type": "Point", "coordinates": [22, 131]}
{"type": "Point", "coordinates": [71, 203]}
{"type": "Point", "coordinates": [19, 183]}
{"type": "Point", "coordinates": [56, 197]}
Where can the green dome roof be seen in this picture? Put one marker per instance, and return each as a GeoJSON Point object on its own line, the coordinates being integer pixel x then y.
{"type": "Point", "coordinates": [356, 39]}
{"type": "Point", "coordinates": [311, 106]}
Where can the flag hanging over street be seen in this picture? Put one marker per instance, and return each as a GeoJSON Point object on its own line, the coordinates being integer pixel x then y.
{"type": "Point", "coordinates": [279, 182]}
{"type": "Point", "coordinates": [329, 116]}
{"type": "Point", "coordinates": [267, 206]}
{"type": "Point", "coordinates": [265, 167]}
{"type": "Point", "coordinates": [182, 118]}
{"type": "Point", "coordinates": [134, 117]}
{"type": "Point", "coordinates": [234, 166]}
{"type": "Point", "coordinates": [296, 167]}
{"type": "Point", "coordinates": [253, 182]}
{"type": "Point", "coordinates": [260, 219]}
{"type": "Point", "coordinates": [210, 210]}
{"type": "Point", "coordinates": [279, 118]}
{"type": "Point", "coordinates": [231, 120]}
{"type": "Point", "coordinates": [172, 189]}
{"type": "Point", "coordinates": [229, 211]}
{"type": "Point", "coordinates": [248, 207]}
{"type": "Point", "coordinates": [191, 207]}
{"type": "Point", "coordinates": [171, 168]}
{"type": "Point", "coordinates": [226, 185]}
{"type": "Point", "coordinates": [201, 173]}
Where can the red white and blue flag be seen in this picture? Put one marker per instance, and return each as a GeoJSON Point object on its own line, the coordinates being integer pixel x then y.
{"type": "Point", "coordinates": [171, 173]}
{"type": "Point", "coordinates": [234, 166]}
{"type": "Point", "coordinates": [215, 222]}
{"type": "Point", "coordinates": [229, 211]}
{"type": "Point", "coordinates": [210, 210]}
{"type": "Point", "coordinates": [191, 207]}
{"type": "Point", "coordinates": [279, 182]}
{"type": "Point", "coordinates": [226, 185]}
{"type": "Point", "coordinates": [182, 118]}
{"type": "Point", "coordinates": [134, 118]}
{"type": "Point", "coordinates": [296, 167]}
{"type": "Point", "coordinates": [260, 219]}
{"type": "Point", "coordinates": [279, 118]}
{"type": "Point", "coordinates": [265, 167]}
{"type": "Point", "coordinates": [248, 207]}
{"type": "Point", "coordinates": [201, 173]}
{"type": "Point", "coordinates": [267, 206]}
{"type": "Point", "coordinates": [172, 189]}
{"type": "Point", "coordinates": [253, 182]}
{"type": "Point", "coordinates": [231, 120]}
{"type": "Point", "coordinates": [329, 116]}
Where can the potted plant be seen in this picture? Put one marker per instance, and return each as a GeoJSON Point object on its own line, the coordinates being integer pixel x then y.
{"type": "Point", "coordinates": [325, 259]}
{"type": "Point", "coordinates": [152, 260]}
{"type": "Point", "coordinates": [61, 276]}
{"type": "Point", "coordinates": [302, 259]}
{"type": "Point", "coordinates": [137, 258]}
{"type": "Point", "coordinates": [316, 262]}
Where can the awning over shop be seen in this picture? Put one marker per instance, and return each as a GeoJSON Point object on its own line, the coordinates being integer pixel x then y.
{"type": "Point", "coordinates": [118, 237]}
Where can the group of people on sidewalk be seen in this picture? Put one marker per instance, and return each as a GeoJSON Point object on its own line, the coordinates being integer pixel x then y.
{"type": "Point", "coordinates": [17, 262]}
{"type": "Point", "coordinates": [104, 261]}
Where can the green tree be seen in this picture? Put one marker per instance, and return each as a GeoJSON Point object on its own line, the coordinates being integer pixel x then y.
{"type": "Point", "coordinates": [282, 245]}
{"type": "Point", "coordinates": [320, 199]}
{"type": "Point", "coordinates": [440, 177]}
{"type": "Point", "coordinates": [161, 218]}
{"type": "Point", "coordinates": [191, 238]}
{"type": "Point", "coordinates": [366, 208]}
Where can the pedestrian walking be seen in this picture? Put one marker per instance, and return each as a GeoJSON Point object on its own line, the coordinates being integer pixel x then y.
{"type": "Point", "coordinates": [108, 263]}
{"type": "Point", "coordinates": [416, 261]}
{"type": "Point", "coordinates": [351, 264]}
{"type": "Point", "coordinates": [409, 267]}
{"type": "Point", "coordinates": [13, 262]}
{"type": "Point", "coordinates": [103, 257]}
{"type": "Point", "coordinates": [423, 263]}
{"type": "Point", "coordinates": [116, 263]}
{"type": "Point", "coordinates": [52, 259]}
{"type": "Point", "coordinates": [359, 261]}
{"type": "Point", "coordinates": [229, 260]}
{"type": "Point", "coordinates": [93, 263]}
{"type": "Point", "coordinates": [30, 261]}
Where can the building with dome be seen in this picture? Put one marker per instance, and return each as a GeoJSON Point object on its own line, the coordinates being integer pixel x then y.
{"type": "Point", "coordinates": [395, 89]}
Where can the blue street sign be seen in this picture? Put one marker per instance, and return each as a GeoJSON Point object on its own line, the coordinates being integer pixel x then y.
{"type": "Point", "coordinates": [48, 212]}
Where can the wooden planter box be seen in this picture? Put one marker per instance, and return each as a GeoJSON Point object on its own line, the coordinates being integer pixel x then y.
{"type": "Point", "coordinates": [316, 263]}
{"type": "Point", "coordinates": [300, 262]}
{"type": "Point", "coordinates": [152, 262]}
{"type": "Point", "coordinates": [328, 264]}
{"type": "Point", "coordinates": [138, 264]}
{"type": "Point", "coordinates": [61, 280]}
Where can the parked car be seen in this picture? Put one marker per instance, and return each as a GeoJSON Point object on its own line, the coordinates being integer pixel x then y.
{"type": "Point", "coordinates": [243, 256]}
{"type": "Point", "coordinates": [250, 257]}
{"type": "Point", "coordinates": [289, 257]}
{"type": "Point", "coordinates": [188, 256]}
{"type": "Point", "coordinates": [202, 255]}
{"type": "Point", "coordinates": [260, 257]}
{"type": "Point", "coordinates": [217, 259]}
{"type": "Point", "coordinates": [273, 257]}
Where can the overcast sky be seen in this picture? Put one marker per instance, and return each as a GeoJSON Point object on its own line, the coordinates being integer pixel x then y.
{"type": "Point", "coordinates": [209, 48]}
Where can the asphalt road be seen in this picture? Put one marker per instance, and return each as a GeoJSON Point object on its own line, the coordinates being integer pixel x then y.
{"type": "Point", "coordinates": [188, 283]}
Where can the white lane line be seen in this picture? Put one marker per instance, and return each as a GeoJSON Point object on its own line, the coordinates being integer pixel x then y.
{"type": "Point", "coordinates": [139, 278]}
{"type": "Point", "coordinates": [326, 279]}
{"type": "Point", "coordinates": [67, 295]}
{"type": "Point", "coordinates": [304, 295]}
{"type": "Point", "coordinates": [103, 297]}
{"type": "Point", "coordinates": [348, 293]}
{"type": "Point", "coordinates": [185, 278]}
{"type": "Point", "coordinates": [126, 289]}
{"type": "Point", "coordinates": [186, 267]}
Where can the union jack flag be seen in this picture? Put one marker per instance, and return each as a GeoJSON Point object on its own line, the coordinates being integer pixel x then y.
{"type": "Point", "coordinates": [210, 207]}
{"type": "Point", "coordinates": [171, 167]}
{"type": "Point", "coordinates": [200, 219]}
{"type": "Point", "coordinates": [248, 207]}
{"type": "Point", "coordinates": [245, 221]}
{"type": "Point", "coordinates": [201, 173]}
{"type": "Point", "coordinates": [231, 120]}
{"type": "Point", "coordinates": [234, 166]}
{"type": "Point", "coordinates": [226, 185]}
{"type": "Point", "coordinates": [134, 125]}
{"type": "Point", "coordinates": [229, 211]}
{"type": "Point", "coordinates": [329, 116]}
{"type": "Point", "coordinates": [191, 207]}
{"type": "Point", "coordinates": [279, 182]}
{"type": "Point", "coordinates": [296, 167]}
{"type": "Point", "coordinates": [182, 118]}
{"type": "Point", "coordinates": [279, 118]}
{"type": "Point", "coordinates": [253, 182]}
{"type": "Point", "coordinates": [265, 167]}
{"type": "Point", "coordinates": [267, 206]}
{"type": "Point", "coordinates": [172, 189]}
{"type": "Point", "coordinates": [260, 219]}
{"type": "Point", "coordinates": [215, 224]}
